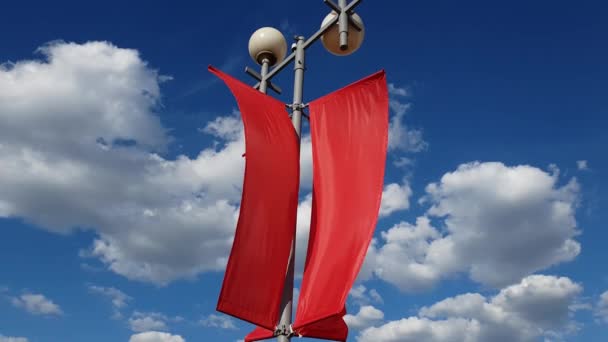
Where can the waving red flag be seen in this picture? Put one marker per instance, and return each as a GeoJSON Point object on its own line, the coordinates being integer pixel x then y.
{"type": "Point", "coordinates": [349, 130]}
{"type": "Point", "coordinates": [256, 269]}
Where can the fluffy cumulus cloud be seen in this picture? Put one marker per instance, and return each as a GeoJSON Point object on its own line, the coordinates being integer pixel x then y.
{"type": "Point", "coordinates": [601, 311]}
{"type": "Point", "coordinates": [366, 317]}
{"type": "Point", "coordinates": [36, 304]}
{"type": "Point", "coordinates": [12, 339]}
{"type": "Point", "coordinates": [401, 260]}
{"type": "Point", "coordinates": [538, 306]}
{"type": "Point", "coordinates": [80, 149]}
{"type": "Point", "coordinates": [495, 222]}
{"type": "Point", "coordinates": [395, 197]}
{"type": "Point", "coordinates": [217, 321]}
{"type": "Point", "coordinates": [156, 336]}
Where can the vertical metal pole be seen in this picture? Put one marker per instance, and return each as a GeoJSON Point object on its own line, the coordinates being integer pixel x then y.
{"type": "Point", "coordinates": [296, 119]}
{"type": "Point", "coordinates": [264, 72]}
{"type": "Point", "coordinates": [298, 85]}
{"type": "Point", "coordinates": [343, 25]}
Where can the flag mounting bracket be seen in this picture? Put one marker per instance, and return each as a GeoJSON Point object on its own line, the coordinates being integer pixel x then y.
{"type": "Point", "coordinates": [284, 330]}
{"type": "Point", "coordinates": [300, 107]}
{"type": "Point", "coordinates": [296, 106]}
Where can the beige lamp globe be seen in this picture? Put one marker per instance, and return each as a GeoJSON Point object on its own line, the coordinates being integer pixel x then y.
{"type": "Point", "coordinates": [331, 38]}
{"type": "Point", "coordinates": [269, 43]}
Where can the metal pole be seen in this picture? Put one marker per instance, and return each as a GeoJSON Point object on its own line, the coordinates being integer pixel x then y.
{"type": "Point", "coordinates": [343, 25]}
{"type": "Point", "coordinates": [264, 72]}
{"type": "Point", "coordinates": [296, 119]}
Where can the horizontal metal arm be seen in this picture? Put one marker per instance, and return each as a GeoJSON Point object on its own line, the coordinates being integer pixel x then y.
{"type": "Point", "coordinates": [333, 5]}
{"type": "Point", "coordinates": [350, 7]}
{"type": "Point", "coordinates": [354, 24]}
{"type": "Point", "coordinates": [253, 73]}
{"type": "Point", "coordinates": [258, 77]}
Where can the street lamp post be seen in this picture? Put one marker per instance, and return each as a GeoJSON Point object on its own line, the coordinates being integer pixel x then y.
{"type": "Point", "coordinates": [341, 33]}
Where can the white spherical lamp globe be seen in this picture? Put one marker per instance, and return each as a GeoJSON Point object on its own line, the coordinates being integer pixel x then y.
{"type": "Point", "coordinates": [267, 43]}
{"type": "Point", "coordinates": [331, 37]}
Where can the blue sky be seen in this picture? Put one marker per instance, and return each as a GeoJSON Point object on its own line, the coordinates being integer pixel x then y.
{"type": "Point", "coordinates": [120, 168]}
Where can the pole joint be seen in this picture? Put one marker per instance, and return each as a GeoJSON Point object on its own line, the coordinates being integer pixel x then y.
{"type": "Point", "coordinates": [296, 106]}
{"type": "Point", "coordinates": [284, 330]}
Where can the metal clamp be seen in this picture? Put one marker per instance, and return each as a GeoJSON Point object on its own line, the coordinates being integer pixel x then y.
{"type": "Point", "coordinates": [284, 330]}
{"type": "Point", "coordinates": [299, 107]}
{"type": "Point", "coordinates": [296, 106]}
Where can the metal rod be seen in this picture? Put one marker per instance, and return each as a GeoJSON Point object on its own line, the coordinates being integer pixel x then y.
{"type": "Point", "coordinates": [263, 73]}
{"type": "Point", "coordinates": [296, 119]}
{"type": "Point", "coordinates": [343, 25]}
{"type": "Point", "coordinates": [333, 6]}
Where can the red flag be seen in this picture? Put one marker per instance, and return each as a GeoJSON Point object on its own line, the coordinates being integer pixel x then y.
{"type": "Point", "coordinates": [349, 130]}
{"type": "Point", "coordinates": [256, 269]}
{"type": "Point", "coordinates": [259, 334]}
{"type": "Point", "coordinates": [332, 328]}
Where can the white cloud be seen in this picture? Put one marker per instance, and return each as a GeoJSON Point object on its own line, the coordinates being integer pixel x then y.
{"type": "Point", "coordinates": [397, 91]}
{"type": "Point", "coordinates": [538, 306]}
{"type": "Point", "coordinates": [601, 311]}
{"type": "Point", "coordinates": [361, 295]}
{"type": "Point", "coordinates": [306, 163]}
{"type": "Point", "coordinates": [395, 197]}
{"type": "Point", "coordinates": [12, 339]}
{"type": "Point", "coordinates": [400, 137]}
{"type": "Point", "coordinates": [500, 224]}
{"type": "Point", "coordinates": [36, 304]}
{"type": "Point", "coordinates": [144, 321]}
{"type": "Point", "coordinates": [582, 165]}
{"type": "Point", "coordinates": [403, 162]}
{"type": "Point", "coordinates": [402, 258]}
{"type": "Point", "coordinates": [504, 222]}
{"type": "Point", "coordinates": [225, 127]}
{"type": "Point", "coordinates": [155, 336]}
{"type": "Point", "coordinates": [66, 164]}
{"type": "Point", "coordinates": [96, 164]}
{"type": "Point", "coordinates": [365, 318]}
{"type": "Point", "coordinates": [302, 232]}
{"type": "Point", "coordinates": [217, 321]}
{"type": "Point", "coordinates": [118, 298]}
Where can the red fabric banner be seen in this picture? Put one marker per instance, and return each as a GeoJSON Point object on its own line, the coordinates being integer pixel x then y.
{"type": "Point", "coordinates": [349, 130]}
{"type": "Point", "coordinates": [255, 274]}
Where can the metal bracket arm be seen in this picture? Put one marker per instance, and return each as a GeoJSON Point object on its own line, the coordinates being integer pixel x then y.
{"type": "Point", "coordinates": [258, 77]}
